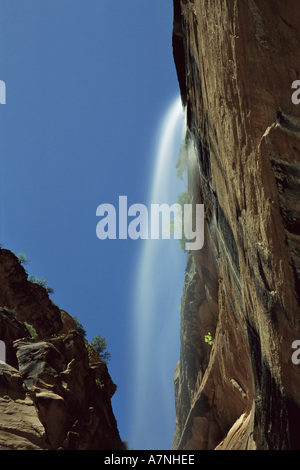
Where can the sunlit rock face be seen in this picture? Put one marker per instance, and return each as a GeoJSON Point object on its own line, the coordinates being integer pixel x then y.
{"type": "Point", "coordinates": [54, 394]}
{"type": "Point", "coordinates": [236, 63]}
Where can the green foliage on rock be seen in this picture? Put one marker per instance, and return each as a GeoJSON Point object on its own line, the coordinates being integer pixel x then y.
{"type": "Point", "coordinates": [99, 345]}
{"type": "Point", "coordinates": [208, 339]}
{"type": "Point", "coordinates": [80, 327]}
{"type": "Point", "coordinates": [182, 160]}
{"type": "Point", "coordinates": [31, 331]}
{"type": "Point", "coordinates": [23, 260]}
{"type": "Point", "coordinates": [41, 282]}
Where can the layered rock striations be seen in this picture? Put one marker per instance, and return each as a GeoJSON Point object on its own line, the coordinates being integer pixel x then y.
{"type": "Point", "coordinates": [54, 394]}
{"type": "Point", "coordinates": [236, 62]}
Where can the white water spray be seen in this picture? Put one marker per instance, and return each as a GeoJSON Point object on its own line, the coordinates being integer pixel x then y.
{"type": "Point", "coordinates": [157, 297]}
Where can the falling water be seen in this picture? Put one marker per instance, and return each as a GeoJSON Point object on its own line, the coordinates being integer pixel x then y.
{"type": "Point", "coordinates": [157, 298]}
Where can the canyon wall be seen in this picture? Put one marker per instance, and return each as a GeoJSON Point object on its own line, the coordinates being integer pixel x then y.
{"type": "Point", "coordinates": [236, 61]}
{"type": "Point", "coordinates": [55, 392]}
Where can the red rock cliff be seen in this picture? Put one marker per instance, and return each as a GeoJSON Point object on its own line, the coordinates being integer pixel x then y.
{"type": "Point", "coordinates": [236, 61]}
{"type": "Point", "coordinates": [53, 394]}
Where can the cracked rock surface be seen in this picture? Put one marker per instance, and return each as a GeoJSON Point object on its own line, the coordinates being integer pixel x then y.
{"type": "Point", "coordinates": [236, 62]}
{"type": "Point", "coordinates": [53, 394]}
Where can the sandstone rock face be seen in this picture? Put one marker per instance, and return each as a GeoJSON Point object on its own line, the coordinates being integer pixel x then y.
{"type": "Point", "coordinates": [236, 62]}
{"type": "Point", "coordinates": [53, 394]}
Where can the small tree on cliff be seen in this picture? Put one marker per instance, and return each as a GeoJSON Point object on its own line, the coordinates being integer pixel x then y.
{"type": "Point", "coordinates": [99, 344]}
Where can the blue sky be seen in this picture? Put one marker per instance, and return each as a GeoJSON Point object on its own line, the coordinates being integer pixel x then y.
{"type": "Point", "coordinates": [88, 84]}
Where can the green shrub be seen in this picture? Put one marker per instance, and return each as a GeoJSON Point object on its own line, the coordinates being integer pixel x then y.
{"type": "Point", "coordinates": [12, 311]}
{"type": "Point", "coordinates": [208, 339]}
{"type": "Point", "coordinates": [89, 350]}
{"type": "Point", "coordinates": [22, 259]}
{"type": "Point", "coordinates": [31, 331]}
{"type": "Point", "coordinates": [182, 161]}
{"type": "Point", "coordinates": [99, 384]}
{"type": "Point", "coordinates": [41, 282]}
{"type": "Point", "coordinates": [62, 314]}
{"type": "Point", "coordinates": [99, 345]}
{"type": "Point", "coordinates": [80, 327]}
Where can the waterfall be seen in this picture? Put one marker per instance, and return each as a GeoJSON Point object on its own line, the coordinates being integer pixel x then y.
{"type": "Point", "coordinates": [158, 289]}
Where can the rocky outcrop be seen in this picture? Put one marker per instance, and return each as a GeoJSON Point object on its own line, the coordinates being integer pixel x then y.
{"type": "Point", "coordinates": [54, 394]}
{"type": "Point", "coordinates": [236, 62]}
